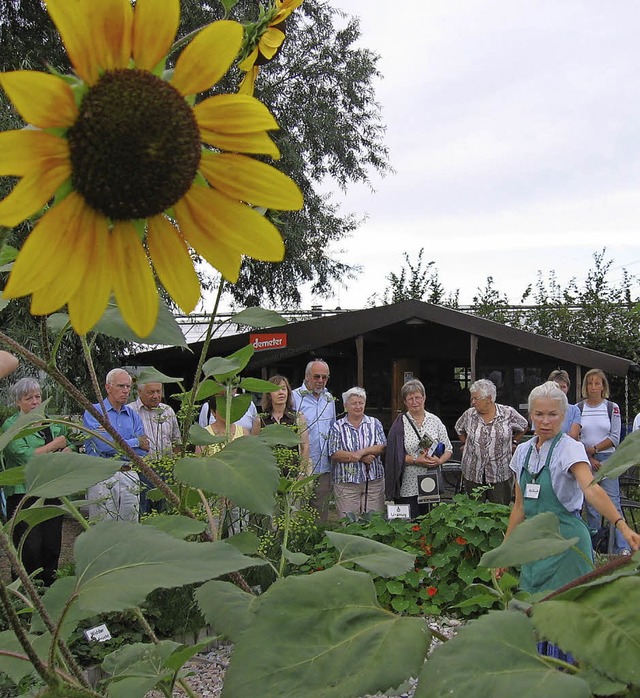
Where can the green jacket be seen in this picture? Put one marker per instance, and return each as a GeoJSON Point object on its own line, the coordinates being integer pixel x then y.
{"type": "Point", "coordinates": [19, 451]}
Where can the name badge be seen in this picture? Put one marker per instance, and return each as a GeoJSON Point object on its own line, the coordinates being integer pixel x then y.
{"type": "Point", "coordinates": [532, 491]}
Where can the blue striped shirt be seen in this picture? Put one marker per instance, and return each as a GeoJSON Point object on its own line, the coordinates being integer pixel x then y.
{"type": "Point", "coordinates": [345, 437]}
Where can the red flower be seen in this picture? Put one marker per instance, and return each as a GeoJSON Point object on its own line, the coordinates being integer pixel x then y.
{"type": "Point", "coordinates": [432, 591]}
{"type": "Point", "coordinates": [415, 528]}
{"type": "Point", "coordinates": [461, 541]}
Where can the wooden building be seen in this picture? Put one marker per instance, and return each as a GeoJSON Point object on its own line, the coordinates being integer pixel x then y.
{"type": "Point", "coordinates": [379, 348]}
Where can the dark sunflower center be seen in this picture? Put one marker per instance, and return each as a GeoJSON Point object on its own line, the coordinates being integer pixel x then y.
{"type": "Point", "coordinates": [135, 147]}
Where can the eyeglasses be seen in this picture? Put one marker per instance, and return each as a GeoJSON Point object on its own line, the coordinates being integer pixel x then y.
{"type": "Point", "coordinates": [121, 386]}
{"type": "Point", "coordinates": [319, 376]}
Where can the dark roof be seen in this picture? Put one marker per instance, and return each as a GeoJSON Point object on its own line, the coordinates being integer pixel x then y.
{"type": "Point", "coordinates": [307, 335]}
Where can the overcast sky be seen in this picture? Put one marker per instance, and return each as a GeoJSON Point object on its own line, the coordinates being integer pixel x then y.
{"type": "Point", "coordinates": [514, 132]}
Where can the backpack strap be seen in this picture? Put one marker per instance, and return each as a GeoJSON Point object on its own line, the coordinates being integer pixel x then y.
{"type": "Point", "coordinates": [580, 406]}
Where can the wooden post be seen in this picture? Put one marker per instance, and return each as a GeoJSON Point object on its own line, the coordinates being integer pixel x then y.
{"type": "Point", "coordinates": [473, 349]}
{"type": "Point", "coordinates": [360, 359]}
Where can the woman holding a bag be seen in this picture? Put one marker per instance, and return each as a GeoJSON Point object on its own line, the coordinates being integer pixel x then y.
{"type": "Point", "coordinates": [488, 431]}
{"type": "Point", "coordinates": [417, 442]}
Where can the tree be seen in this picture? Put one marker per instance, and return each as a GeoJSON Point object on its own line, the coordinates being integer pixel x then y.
{"type": "Point", "coordinates": [320, 89]}
{"type": "Point", "coordinates": [417, 280]}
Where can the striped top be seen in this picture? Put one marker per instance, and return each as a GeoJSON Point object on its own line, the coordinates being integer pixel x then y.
{"type": "Point", "coordinates": [345, 437]}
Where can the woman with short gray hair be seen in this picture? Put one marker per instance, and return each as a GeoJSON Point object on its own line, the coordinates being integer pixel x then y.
{"type": "Point", "coordinates": [41, 547]}
{"type": "Point", "coordinates": [356, 444]}
{"type": "Point", "coordinates": [488, 432]}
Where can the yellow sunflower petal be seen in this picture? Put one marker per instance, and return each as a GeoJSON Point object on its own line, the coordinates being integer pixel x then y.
{"type": "Point", "coordinates": [285, 9]}
{"type": "Point", "coordinates": [41, 99]}
{"type": "Point", "coordinates": [248, 83]}
{"type": "Point", "coordinates": [44, 255]}
{"type": "Point", "coordinates": [25, 151]}
{"type": "Point", "coordinates": [71, 17]}
{"type": "Point", "coordinates": [111, 24]}
{"type": "Point", "coordinates": [133, 283]}
{"type": "Point", "coordinates": [155, 24]}
{"type": "Point", "coordinates": [172, 261]}
{"type": "Point", "coordinates": [237, 123]}
{"type": "Point", "coordinates": [270, 42]}
{"type": "Point", "coordinates": [249, 61]}
{"type": "Point", "coordinates": [249, 180]}
{"type": "Point", "coordinates": [208, 57]}
{"type": "Point", "coordinates": [31, 193]}
{"type": "Point", "coordinates": [222, 230]}
{"type": "Point", "coordinates": [88, 304]}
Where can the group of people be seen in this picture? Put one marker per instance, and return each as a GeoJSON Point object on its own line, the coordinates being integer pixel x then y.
{"type": "Point", "coordinates": [352, 458]}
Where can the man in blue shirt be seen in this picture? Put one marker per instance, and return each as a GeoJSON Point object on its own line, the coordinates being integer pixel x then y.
{"type": "Point", "coordinates": [119, 496]}
{"type": "Point", "coordinates": [318, 407]}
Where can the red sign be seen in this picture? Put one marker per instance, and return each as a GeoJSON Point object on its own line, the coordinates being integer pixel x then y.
{"type": "Point", "coordinates": [263, 342]}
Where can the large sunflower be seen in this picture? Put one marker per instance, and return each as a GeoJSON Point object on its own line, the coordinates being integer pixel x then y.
{"type": "Point", "coordinates": [122, 149]}
{"type": "Point", "coordinates": [267, 38]}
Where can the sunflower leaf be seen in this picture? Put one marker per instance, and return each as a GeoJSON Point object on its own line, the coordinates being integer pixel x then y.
{"type": "Point", "coordinates": [149, 374]}
{"type": "Point", "coordinates": [258, 318]}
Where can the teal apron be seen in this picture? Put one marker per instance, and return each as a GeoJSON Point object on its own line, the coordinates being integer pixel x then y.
{"type": "Point", "coordinates": [553, 572]}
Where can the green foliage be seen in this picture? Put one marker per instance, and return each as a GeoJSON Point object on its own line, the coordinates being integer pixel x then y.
{"type": "Point", "coordinates": [447, 544]}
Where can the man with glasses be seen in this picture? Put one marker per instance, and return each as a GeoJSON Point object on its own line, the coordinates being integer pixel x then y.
{"type": "Point", "coordinates": [317, 405]}
{"type": "Point", "coordinates": [117, 497]}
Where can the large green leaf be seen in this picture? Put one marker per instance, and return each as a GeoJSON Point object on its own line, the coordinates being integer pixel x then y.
{"type": "Point", "coordinates": [533, 539]}
{"type": "Point", "coordinates": [61, 474]}
{"type": "Point", "coordinates": [176, 526]}
{"type": "Point", "coordinates": [167, 331]}
{"type": "Point", "coordinates": [136, 669]}
{"type": "Point", "coordinates": [17, 669]}
{"type": "Point", "coordinates": [13, 476]}
{"type": "Point", "coordinates": [55, 600]}
{"type": "Point", "coordinates": [224, 368]}
{"type": "Point", "coordinates": [149, 374]}
{"type": "Point", "coordinates": [201, 437]}
{"type": "Point", "coordinates": [239, 406]}
{"type": "Point", "coordinates": [495, 657]}
{"type": "Point", "coordinates": [258, 317]}
{"type": "Point", "coordinates": [626, 455]}
{"type": "Point", "coordinates": [255, 385]}
{"type": "Point", "coordinates": [24, 424]}
{"type": "Point", "coordinates": [279, 435]}
{"type": "Point", "coordinates": [371, 555]}
{"type": "Point", "coordinates": [35, 514]}
{"type": "Point", "coordinates": [332, 641]}
{"type": "Point", "coordinates": [118, 564]}
{"type": "Point", "coordinates": [226, 608]}
{"type": "Point", "coordinates": [208, 388]}
{"type": "Point", "coordinates": [244, 471]}
{"type": "Point", "coordinates": [600, 627]}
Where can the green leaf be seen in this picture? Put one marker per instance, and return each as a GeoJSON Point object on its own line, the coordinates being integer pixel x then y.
{"type": "Point", "coordinates": [62, 474]}
{"type": "Point", "coordinates": [255, 385]}
{"type": "Point", "coordinates": [371, 555]}
{"type": "Point", "coordinates": [184, 654]}
{"type": "Point", "coordinates": [224, 368]}
{"type": "Point", "coordinates": [17, 669]}
{"type": "Point", "coordinates": [294, 558]}
{"type": "Point", "coordinates": [244, 471]}
{"type": "Point", "coordinates": [34, 514]}
{"type": "Point", "coordinates": [400, 604]}
{"type": "Point", "coordinates": [58, 322]}
{"type": "Point", "coordinates": [177, 526]}
{"type": "Point", "coordinates": [602, 685]}
{"type": "Point", "coordinates": [3, 301]}
{"type": "Point", "coordinates": [258, 317]}
{"type": "Point", "coordinates": [626, 455]}
{"type": "Point", "coordinates": [395, 587]}
{"type": "Point", "coordinates": [55, 600]}
{"type": "Point", "coordinates": [246, 542]}
{"type": "Point", "coordinates": [23, 425]}
{"type": "Point", "coordinates": [479, 600]}
{"type": "Point", "coordinates": [225, 607]}
{"type": "Point", "coordinates": [534, 539]}
{"type": "Point", "coordinates": [279, 435]}
{"type": "Point", "coordinates": [136, 669]}
{"type": "Point", "coordinates": [167, 331]}
{"type": "Point", "coordinates": [495, 656]}
{"type": "Point", "coordinates": [208, 388]}
{"type": "Point", "coordinates": [199, 436]}
{"type": "Point", "coordinates": [118, 564]}
{"type": "Point", "coordinates": [8, 254]}
{"type": "Point", "coordinates": [333, 640]}
{"type": "Point", "coordinates": [13, 476]}
{"type": "Point", "coordinates": [239, 406]}
{"type": "Point", "coordinates": [149, 374]}
{"type": "Point", "coordinates": [228, 5]}
{"type": "Point", "coordinates": [599, 618]}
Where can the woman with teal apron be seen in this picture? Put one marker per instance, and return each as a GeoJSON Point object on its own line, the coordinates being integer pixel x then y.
{"type": "Point", "coordinates": [553, 475]}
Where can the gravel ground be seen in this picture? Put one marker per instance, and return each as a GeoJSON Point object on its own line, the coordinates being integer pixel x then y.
{"type": "Point", "coordinates": [209, 668]}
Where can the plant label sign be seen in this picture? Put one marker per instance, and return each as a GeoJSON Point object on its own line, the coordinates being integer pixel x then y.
{"type": "Point", "coordinates": [398, 511]}
{"type": "Point", "coordinates": [98, 634]}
